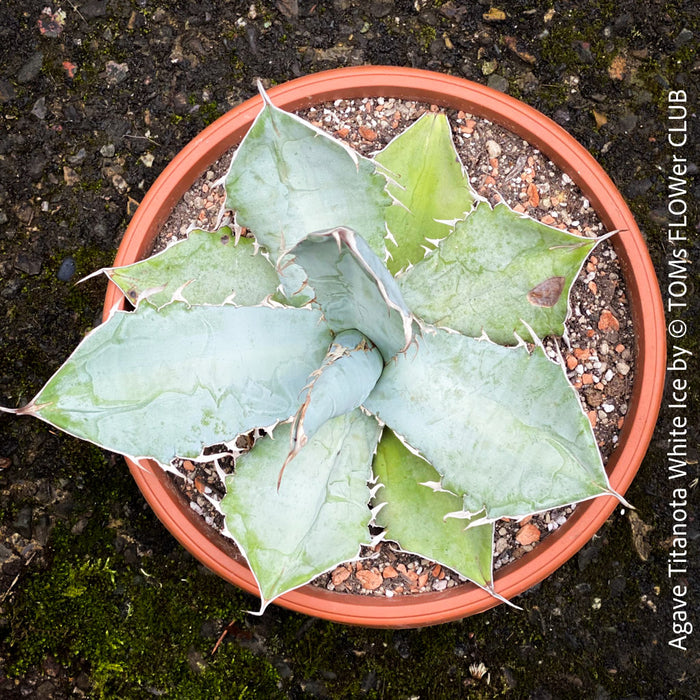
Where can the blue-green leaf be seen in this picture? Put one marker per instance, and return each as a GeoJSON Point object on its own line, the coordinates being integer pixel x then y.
{"type": "Point", "coordinates": [349, 372]}
{"type": "Point", "coordinates": [499, 272]}
{"type": "Point", "coordinates": [208, 267]}
{"type": "Point", "coordinates": [354, 289]}
{"type": "Point", "coordinates": [288, 178]}
{"type": "Point", "coordinates": [318, 518]}
{"type": "Point", "coordinates": [167, 383]}
{"type": "Point", "coordinates": [502, 426]}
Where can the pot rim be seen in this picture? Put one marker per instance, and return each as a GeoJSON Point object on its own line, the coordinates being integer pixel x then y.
{"type": "Point", "coordinates": [217, 553]}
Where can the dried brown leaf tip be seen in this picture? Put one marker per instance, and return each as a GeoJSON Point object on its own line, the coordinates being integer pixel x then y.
{"type": "Point", "coordinates": [546, 293]}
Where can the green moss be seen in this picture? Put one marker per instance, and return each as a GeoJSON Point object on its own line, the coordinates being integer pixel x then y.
{"type": "Point", "coordinates": [91, 186]}
{"type": "Point", "coordinates": [210, 112]}
{"type": "Point", "coordinates": [237, 68]}
{"type": "Point", "coordinates": [588, 24]}
{"type": "Point", "coordinates": [425, 35]}
{"type": "Point", "coordinates": [579, 25]}
{"type": "Point", "coordinates": [94, 614]}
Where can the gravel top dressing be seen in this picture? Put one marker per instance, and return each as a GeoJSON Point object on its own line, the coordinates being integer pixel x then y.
{"type": "Point", "coordinates": [598, 348]}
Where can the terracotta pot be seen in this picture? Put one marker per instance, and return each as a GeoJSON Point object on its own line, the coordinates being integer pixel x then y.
{"type": "Point", "coordinates": [216, 552]}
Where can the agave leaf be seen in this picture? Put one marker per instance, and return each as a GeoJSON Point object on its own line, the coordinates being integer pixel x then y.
{"type": "Point", "coordinates": [495, 271]}
{"type": "Point", "coordinates": [288, 178]}
{"type": "Point", "coordinates": [354, 289]}
{"type": "Point", "coordinates": [208, 267]}
{"type": "Point", "coordinates": [349, 372]}
{"type": "Point", "coordinates": [413, 514]}
{"type": "Point", "coordinates": [502, 426]}
{"type": "Point", "coordinates": [318, 518]}
{"type": "Point", "coordinates": [430, 185]}
{"type": "Point", "coordinates": [167, 383]}
{"type": "Point", "coordinates": [294, 289]}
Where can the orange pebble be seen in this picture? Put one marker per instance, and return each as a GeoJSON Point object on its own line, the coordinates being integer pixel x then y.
{"type": "Point", "coordinates": [370, 580]}
{"type": "Point", "coordinates": [389, 572]}
{"type": "Point", "coordinates": [533, 196]}
{"type": "Point", "coordinates": [608, 321]}
{"type": "Point", "coordinates": [528, 534]}
{"type": "Point", "coordinates": [367, 133]}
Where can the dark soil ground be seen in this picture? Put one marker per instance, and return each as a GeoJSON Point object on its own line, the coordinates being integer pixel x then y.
{"type": "Point", "coordinates": [96, 599]}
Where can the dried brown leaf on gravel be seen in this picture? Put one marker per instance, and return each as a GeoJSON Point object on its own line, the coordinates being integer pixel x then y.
{"type": "Point", "coordinates": [640, 530]}
{"type": "Point", "coordinates": [289, 8]}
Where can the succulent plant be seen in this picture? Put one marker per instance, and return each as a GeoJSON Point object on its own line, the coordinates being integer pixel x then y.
{"type": "Point", "coordinates": [380, 323]}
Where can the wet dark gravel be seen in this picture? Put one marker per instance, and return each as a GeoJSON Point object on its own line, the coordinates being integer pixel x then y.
{"type": "Point", "coordinates": [96, 97]}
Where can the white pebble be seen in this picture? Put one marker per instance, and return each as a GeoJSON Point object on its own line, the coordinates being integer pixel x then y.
{"type": "Point", "coordinates": [493, 148]}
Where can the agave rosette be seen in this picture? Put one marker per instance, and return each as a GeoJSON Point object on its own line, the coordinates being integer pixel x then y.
{"type": "Point", "coordinates": [375, 327]}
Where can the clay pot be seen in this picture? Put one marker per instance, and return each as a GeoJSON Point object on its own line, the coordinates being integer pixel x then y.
{"type": "Point", "coordinates": [215, 551]}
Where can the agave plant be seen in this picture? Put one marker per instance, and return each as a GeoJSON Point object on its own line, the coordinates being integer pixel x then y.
{"type": "Point", "coordinates": [380, 323]}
